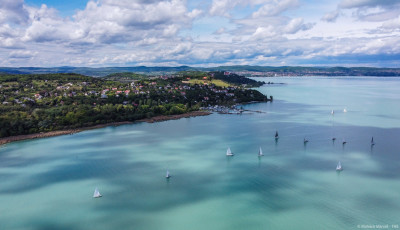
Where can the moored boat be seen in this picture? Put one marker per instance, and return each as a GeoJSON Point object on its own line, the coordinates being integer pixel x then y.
{"type": "Point", "coordinates": [260, 153]}
{"type": "Point", "coordinates": [96, 193]}
{"type": "Point", "coordinates": [339, 167]}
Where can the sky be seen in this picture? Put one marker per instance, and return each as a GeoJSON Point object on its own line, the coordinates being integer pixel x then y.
{"type": "Point", "coordinates": [101, 33]}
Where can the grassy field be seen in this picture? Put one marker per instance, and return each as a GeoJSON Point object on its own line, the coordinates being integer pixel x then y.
{"type": "Point", "coordinates": [214, 81]}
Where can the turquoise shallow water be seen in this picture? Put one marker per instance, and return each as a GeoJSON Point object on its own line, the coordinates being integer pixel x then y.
{"type": "Point", "coordinates": [49, 183]}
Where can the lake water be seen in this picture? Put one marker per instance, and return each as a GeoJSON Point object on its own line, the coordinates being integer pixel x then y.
{"type": "Point", "coordinates": [49, 183]}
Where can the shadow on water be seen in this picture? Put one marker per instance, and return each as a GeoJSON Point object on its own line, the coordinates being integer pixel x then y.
{"type": "Point", "coordinates": [267, 179]}
{"type": "Point", "coordinates": [41, 225]}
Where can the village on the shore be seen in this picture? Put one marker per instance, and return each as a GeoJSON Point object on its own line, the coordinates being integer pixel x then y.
{"type": "Point", "coordinates": [48, 102]}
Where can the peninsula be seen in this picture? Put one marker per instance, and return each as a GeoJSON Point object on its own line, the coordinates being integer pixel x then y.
{"type": "Point", "coordinates": [41, 105]}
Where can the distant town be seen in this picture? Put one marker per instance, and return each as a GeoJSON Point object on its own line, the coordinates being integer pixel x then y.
{"type": "Point", "coordinates": [261, 71]}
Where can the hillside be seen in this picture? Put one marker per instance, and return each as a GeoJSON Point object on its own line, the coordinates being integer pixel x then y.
{"type": "Point", "coordinates": [48, 102]}
{"type": "Point", "coordinates": [240, 69]}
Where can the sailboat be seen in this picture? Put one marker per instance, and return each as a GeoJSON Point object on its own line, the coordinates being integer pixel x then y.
{"type": "Point", "coordinates": [332, 112]}
{"type": "Point", "coordinates": [229, 152]}
{"type": "Point", "coordinates": [344, 141]}
{"type": "Point", "coordinates": [339, 167]}
{"type": "Point", "coordinates": [276, 135]}
{"type": "Point", "coordinates": [372, 141]}
{"type": "Point", "coordinates": [167, 175]}
{"type": "Point", "coordinates": [305, 140]}
{"type": "Point", "coordinates": [260, 153]}
{"type": "Point", "coordinates": [344, 110]}
{"type": "Point", "coordinates": [96, 193]}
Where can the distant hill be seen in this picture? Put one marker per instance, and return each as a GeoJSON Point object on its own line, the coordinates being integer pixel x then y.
{"type": "Point", "coordinates": [95, 72]}
{"type": "Point", "coordinates": [308, 71]}
{"type": "Point", "coordinates": [240, 69]}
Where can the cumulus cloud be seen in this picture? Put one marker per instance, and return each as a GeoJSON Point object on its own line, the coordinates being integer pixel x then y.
{"type": "Point", "coordinates": [267, 21]}
{"type": "Point", "coordinates": [111, 22]}
{"type": "Point", "coordinates": [166, 32]}
{"type": "Point", "coordinates": [297, 24]}
{"type": "Point", "coordinates": [47, 26]}
{"type": "Point", "coordinates": [372, 10]}
{"type": "Point", "coordinates": [121, 21]}
{"type": "Point", "coordinates": [263, 32]}
{"type": "Point", "coordinates": [331, 16]}
{"type": "Point", "coordinates": [273, 8]}
{"type": "Point", "coordinates": [13, 11]}
{"type": "Point", "coordinates": [221, 7]}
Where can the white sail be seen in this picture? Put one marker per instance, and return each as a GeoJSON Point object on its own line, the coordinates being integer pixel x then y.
{"type": "Point", "coordinates": [339, 167]}
{"type": "Point", "coordinates": [260, 153]}
{"type": "Point", "coordinates": [167, 175]}
{"type": "Point", "coordinates": [344, 110]}
{"type": "Point", "coordinates": [332, 112]}
{"type": "Point", "coordinates": [96, 193]}
{"type": "Point", "coordinates": [229, 152]}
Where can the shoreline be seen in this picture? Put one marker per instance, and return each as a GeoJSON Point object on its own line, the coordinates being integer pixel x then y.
{"type": "Point", "coordinates": [174, 117]}
{"type": "Point", "coordinates": [160, 118]}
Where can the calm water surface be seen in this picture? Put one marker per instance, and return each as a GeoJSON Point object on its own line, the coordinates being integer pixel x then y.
{"type": "Point", "coordinates": [49, 183]}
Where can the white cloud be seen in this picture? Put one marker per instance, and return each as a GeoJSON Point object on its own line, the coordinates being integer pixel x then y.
{"type": "Point", "coordinates": [166, 32]}
{"type": "Point", "coordinates": [331, 16]}
{"type": "Point", "coordinates": [268, 7]}
{"type": "Point", "coordinates": [221, 30]}
{"type": "Point", "coordinates": [221, 7]}
{"type": "Point", "coordinates": [273, 8]}
{"type": "Point", "coordinates": [297, 24]}
{"type": "Point", "coordinates": [110, 22]}
{"type": "Point", "coordinates": [46, 25]}
{"type": "Point", "coordinates": [378, 46]}
{"type": "Point", "coordinates": [13, 11]}
{"type": "Point", "coordinates": [195, 13]}
{"type": "Point", "coordinates": [372, 10]}
{"type": "Point", "coordinates": [391, 25]}
{"type": "Point", "coordinates": [22, 54]}
{"type": "Point", "coordinates": [263, 32]}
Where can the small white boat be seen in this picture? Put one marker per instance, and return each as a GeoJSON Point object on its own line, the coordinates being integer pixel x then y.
{"type": "Point", "coordinates": [339, 167]}
{"type": "Point", "coordinates": [96, 193]}
{"type": "Point", "coordinates": [372, 141]}
{"type": "Point", "coordinates": [260, 153]}
{"type": "Point", "coordinates": [344, 110]}
{"type": "Point", "coordinates": [332, 112]}
{"type": "Point", "coordinates": [167, 175]}
{"type": "Point", "coordinates": [229, 152]}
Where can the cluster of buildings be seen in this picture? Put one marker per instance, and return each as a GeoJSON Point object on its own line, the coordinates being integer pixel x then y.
{"type": "Point", "coordinates": [136, 88]}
